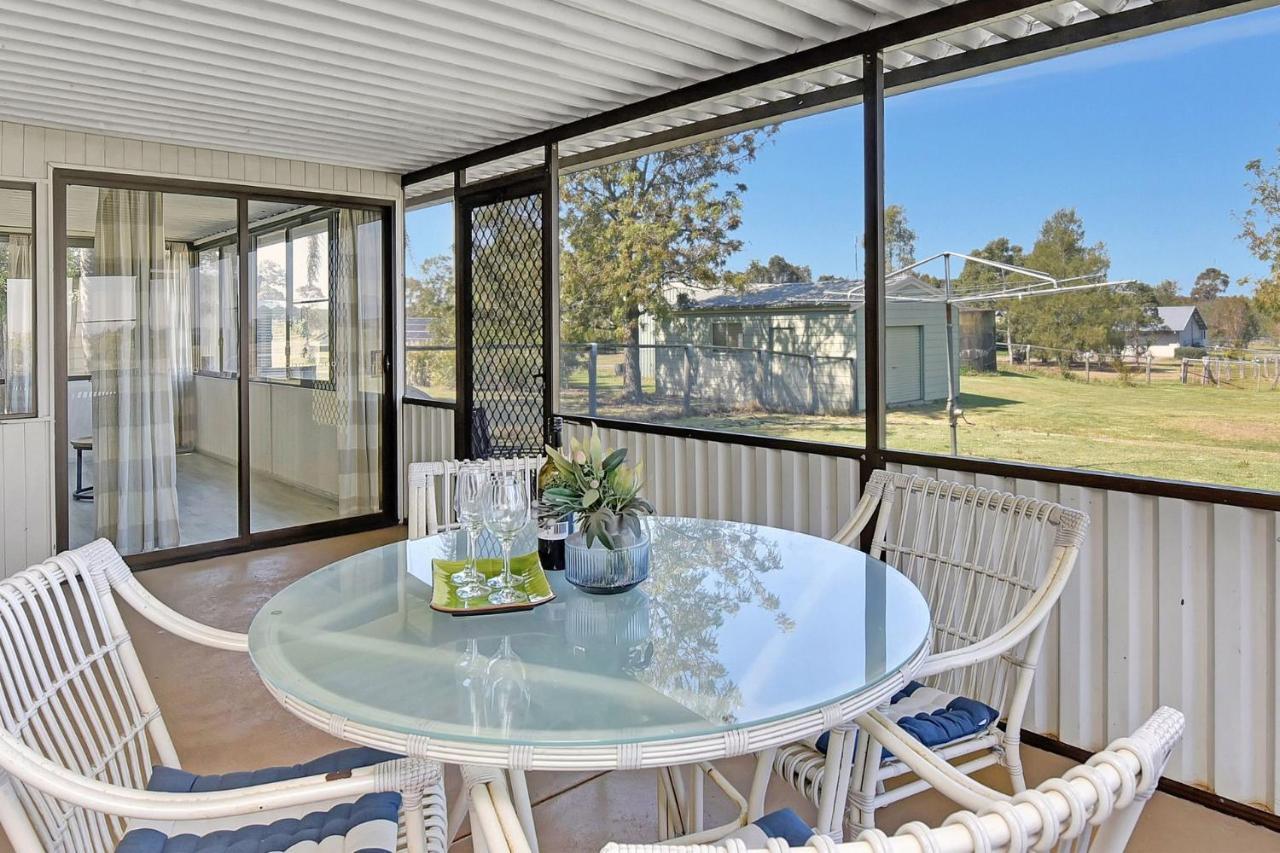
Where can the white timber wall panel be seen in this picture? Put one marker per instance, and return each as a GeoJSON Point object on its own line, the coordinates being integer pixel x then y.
{"type": "Point", "coordinates": [426, 436]}
{"type": "Point", "coordinates": [1172, 602]}
{"type": "Point", "coordinates": [809, 492]}
{"type": "Point", "coordinates": [30, 153]}
{"type": "Point", "coordinates": [25, 521]}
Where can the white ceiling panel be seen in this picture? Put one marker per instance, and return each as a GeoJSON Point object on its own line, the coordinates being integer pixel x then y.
{"type": "Point", "coordinates": [401, 84]}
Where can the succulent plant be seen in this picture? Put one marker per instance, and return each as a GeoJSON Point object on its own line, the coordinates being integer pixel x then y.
{"type": "Point", "coordinates": [595, 484]}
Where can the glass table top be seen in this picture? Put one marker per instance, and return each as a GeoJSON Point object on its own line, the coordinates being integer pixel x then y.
{"type": "Point", "coordinates": [738, 625]}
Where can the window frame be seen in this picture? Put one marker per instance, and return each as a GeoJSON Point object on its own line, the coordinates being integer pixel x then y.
{"type": "Point", "coordinates": [412, 395]}
{"type": "Point", "coordinates": [36, 318]}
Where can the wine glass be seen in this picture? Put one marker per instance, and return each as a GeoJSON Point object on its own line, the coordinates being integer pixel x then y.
{"type": "Point", "coordinates": [506, 513]}
{"type": "Point", "coordinates": [468, 498]}
{"type": "Point", "coordinates": [508, 689]}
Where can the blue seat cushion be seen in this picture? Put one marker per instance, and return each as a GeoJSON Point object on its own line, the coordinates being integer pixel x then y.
{"type": "Point", "coordinates": [933, 717]}
{"type": "Point", "coordinates": [369, 825]}
{"type": "Point", "coordinates": [170, 780]}
{"type": "Point", "coordinates": [784, 824]}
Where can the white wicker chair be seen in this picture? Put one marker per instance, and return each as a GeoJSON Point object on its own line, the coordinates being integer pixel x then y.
{"type": "Point", "coordinates": [431, 486]}
{"type": "Point", "coordinates": [80, 732]}
{"type": "Point", "coordinates": [992, 566]}
{"type": "Point", "coordinates": [1092, 807]}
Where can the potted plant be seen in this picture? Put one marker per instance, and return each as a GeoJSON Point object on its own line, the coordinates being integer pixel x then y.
{"type": "Point", "coordinates": [609, 550]}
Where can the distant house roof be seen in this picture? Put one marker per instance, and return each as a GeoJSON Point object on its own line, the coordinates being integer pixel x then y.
{"type": "Point", "coordinates": [836, 293]}
{"type": "Point", "coordinates": [1175, 318]}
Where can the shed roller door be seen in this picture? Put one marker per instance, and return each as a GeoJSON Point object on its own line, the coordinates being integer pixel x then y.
{"type": "Point", "coordinates": [903, 359]}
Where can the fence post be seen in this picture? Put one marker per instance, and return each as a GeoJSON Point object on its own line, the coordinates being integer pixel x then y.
{"type": "Point", "coordinates": [813, 384]}
{"type": "Point", "coordinates": [688, 378]}
{"type": "Point", "coordinates": [593, 360]}
{"type": "Point", "coordinates": [1185, 371]}
{"type": "Point", "coordinates": [1148, 368]}
{"type": "Point", "coordinates": [1088, 363]}
{"type": "Point", "coordinates": [1206, 373]}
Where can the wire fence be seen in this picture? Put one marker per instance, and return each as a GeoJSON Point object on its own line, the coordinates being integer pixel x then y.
{"type": "Point", "coordinates": [696, 378]}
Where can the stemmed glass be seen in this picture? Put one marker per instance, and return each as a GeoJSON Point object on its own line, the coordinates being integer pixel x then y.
{"type": "Point", "coordinates": [506, 513]}
{"type": "Point", "coordinates": [469, 499]}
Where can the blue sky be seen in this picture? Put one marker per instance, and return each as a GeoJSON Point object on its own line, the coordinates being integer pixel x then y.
{"type": "Point", "coordinates": [1146, 139]}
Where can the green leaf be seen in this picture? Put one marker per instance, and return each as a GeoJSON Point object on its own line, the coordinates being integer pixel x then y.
{"type": "Point", "coordinates": [614, 459]}
{"type": "Point", "coordinates": [589, 497]}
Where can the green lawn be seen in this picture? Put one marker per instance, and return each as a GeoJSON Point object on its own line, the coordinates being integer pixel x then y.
{"type": "Point", "coordinates": [1166, 429]}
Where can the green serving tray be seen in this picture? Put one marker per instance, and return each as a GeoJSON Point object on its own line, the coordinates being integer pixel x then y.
{"type": "Point", "coordinates": [444, 592]}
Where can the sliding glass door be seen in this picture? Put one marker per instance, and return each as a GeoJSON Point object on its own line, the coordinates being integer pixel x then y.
{"type": "Point", "coordinates": [317, 390]}
{"type": "Point", "coordinates": [225, 367]}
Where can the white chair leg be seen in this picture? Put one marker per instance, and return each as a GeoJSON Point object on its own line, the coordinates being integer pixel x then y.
{"type": "Point", "coordinates": [834, 786]}
{"type": "Point", "coordinates": [524, 808]}
{"type": "Point", "coordinates": [760, 783]}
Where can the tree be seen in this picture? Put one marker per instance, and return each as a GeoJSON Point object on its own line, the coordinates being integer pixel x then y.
{"type": "Point", "coordinates": [899, 239]}
{"type": "Point", "coordinates": [429, 296]}
{"type": "Point", "coordinates": [1266, 297]}
{"type": "Point", "coordinates": [980, 277]}
{"type": "Point", "coordinates": [1209, 285]}
{"type": "Point", "coordinates": [631, 228]}
{"type": "Point", "coordinates": [777, 271]}
{"type": "Point", "coordinates": [1167, 292]}
{"type": "Point", "coordinates": [1260, 228]}
{"type": "Point", "coordinates": [1100, 320]}
{"type": "Point", "coordinates": [1231, 321]}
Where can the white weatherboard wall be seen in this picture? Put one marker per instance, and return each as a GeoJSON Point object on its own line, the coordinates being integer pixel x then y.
{"type": "Point", "coordinates": [426, 435]}
{"type": "Point", "coordinates": [30, 153]}
{"type": "Point", "coordinates": [1172, 602]}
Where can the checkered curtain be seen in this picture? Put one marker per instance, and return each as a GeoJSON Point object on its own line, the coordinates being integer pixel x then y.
{"type": "Point", "coordinates": [179, 281]}
{"type": "Point", "coordinates": [18, 341]}
{"type": "Point", "coordinates": [357, 359]}
{"type": "Point", "coordinates": [129, 319]}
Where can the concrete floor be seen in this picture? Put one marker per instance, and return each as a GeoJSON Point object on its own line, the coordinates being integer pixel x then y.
{"type": "Point", "coordinates": [207, 502]}
{"type": "Point", "coordinates": [223, 719]}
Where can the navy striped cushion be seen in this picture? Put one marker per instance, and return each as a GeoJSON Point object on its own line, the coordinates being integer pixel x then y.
{"type": "Point", "coordinates": [373, 819]}
{"type": "Point", "coordinates": [946, 718]}
{"type": "Point", "coordinates": [784, 824]}
{"type": "Point", "coordinates": [173, 781]}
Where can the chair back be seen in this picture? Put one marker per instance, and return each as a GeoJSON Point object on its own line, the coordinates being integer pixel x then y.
{"type": "Point", "coordinates": [431, 489]}
{"type": "Point", "coordinates": [1092, 807]}
{"type": "Point", "coordinates": [982, 559]}
{"type": "Point", "coordinates": [72, 691]}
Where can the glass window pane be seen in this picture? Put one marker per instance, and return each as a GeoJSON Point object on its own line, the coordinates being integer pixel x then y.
{"type": "Point", "coordinates": [429, 334]}
{"type": "Point", "coordinates": [270, 286]}
{"type": "Point", "coordinates": [17, 304]}
{"type": "Point", "coordinates": [152, 414]}
{"type": "Point", "coordinates": [1103, 289]}
{"type": "Point", "coordinates": [316, 395]}
{"type": "Point", "coordinates": [718, 285]}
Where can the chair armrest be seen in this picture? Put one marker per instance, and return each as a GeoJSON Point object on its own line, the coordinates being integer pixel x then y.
{"type": "Point", "coordinates": [162, 615]}
{"type": "Point", "coordinates": [1031, 617]}
{"type": "Point", "coordinates": [57, 781]}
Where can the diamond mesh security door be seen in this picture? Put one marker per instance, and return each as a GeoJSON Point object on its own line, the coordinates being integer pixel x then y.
{"type": "Point", "coordinates": [503, 384]}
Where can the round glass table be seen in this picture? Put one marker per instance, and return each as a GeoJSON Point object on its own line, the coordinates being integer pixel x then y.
{"type": "Point", "coordinates": [744, 638]}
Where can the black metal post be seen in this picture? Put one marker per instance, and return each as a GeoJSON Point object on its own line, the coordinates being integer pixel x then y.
{"type": "Point", "coordinates": [462, 320]}
{"type": "Point", "coordinates": [551, 292]}
{"type": "Point", "coordinates": [873, 276]}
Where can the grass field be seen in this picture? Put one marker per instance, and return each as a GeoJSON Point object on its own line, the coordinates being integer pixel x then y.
{"type": "Point", "coordinates": [1228, 435]}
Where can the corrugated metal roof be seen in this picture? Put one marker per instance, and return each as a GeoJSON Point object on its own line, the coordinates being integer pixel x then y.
{"type": "Point", "coordinates": [401, 84]}
{"type": "Point", "coordinates": [1176, 317]}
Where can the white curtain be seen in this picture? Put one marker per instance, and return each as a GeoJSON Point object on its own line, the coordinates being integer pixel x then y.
{"type": "Point", "coordinates": [19, 321]}
{"type": "Point", "coordinates": [357, 361]}
{"type": "Point", "coordinates": [182, 364]}
{"type": "Point", "coordinates": [129, 317]}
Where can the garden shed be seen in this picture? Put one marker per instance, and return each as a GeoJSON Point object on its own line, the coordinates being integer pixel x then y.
{"type": "Point", "coordinates": [795, 346]}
